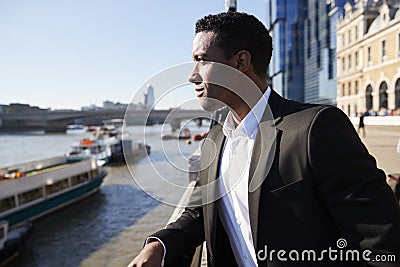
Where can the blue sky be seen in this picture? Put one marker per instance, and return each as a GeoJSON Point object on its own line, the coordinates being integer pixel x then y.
{"type": "Point", "coordinates": [72, 53]}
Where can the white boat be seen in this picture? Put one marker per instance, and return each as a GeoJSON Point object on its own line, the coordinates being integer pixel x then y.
{"type": "Point", "coordinates": [76, 129]}
{"type": "Point", "coordinates": [105, 144]}
{"type": "Point", "coordinates": [95, 146]}
{"type": "Point", "coordinates": [12, 240]}
{"type": "Point", "coordinates": [31, 190]}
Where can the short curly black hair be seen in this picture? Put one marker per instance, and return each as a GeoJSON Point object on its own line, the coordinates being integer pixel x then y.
{"type": "Point", "coordinates": [237, 31]}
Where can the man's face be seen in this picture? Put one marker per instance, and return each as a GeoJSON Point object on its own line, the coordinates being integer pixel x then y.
{"type": "Point", "coordinates": [211, 96]}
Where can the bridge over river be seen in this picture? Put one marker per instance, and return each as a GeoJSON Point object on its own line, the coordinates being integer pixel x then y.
{"type": "Point", "coordinates": [56, 121]}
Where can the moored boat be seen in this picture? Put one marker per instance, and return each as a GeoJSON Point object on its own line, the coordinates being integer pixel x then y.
{"type": "Point", "coordinates": [106, 145]}
{"type": "Point", "coordinates": [12, 240]}
{"type": "Point", "coordinates": [95, 146]}
{"type": "Point", "coordinates": [31, 190]}
{"type": "Point", "coordinates": [76, 129]}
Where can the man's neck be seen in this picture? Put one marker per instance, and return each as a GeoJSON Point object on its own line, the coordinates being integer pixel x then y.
{"type": "Point", "coordinates": [240, 111]}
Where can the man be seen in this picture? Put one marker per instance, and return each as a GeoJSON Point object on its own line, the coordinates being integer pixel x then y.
{"type": "Point", "coordinates": [310, 182]}
{"type": "Point", "coordinates": [361, 122]}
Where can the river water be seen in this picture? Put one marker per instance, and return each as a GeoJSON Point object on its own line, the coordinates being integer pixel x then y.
{"type": "Point", "coordinates": [109, 227]}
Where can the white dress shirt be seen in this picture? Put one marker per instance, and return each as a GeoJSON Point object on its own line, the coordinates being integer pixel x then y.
{"type": "Point", "coordinates": [234, 170]}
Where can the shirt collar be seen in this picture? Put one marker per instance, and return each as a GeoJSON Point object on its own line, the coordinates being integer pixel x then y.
{"type": "Point", "coordinates": [249, 125]}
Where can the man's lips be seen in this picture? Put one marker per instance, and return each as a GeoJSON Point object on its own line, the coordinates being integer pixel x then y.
{"type": "Point", "coordinates": [200, 91]}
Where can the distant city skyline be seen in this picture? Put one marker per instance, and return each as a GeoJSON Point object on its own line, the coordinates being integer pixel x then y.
{"type": "Point", "coordinates": [68, 54]}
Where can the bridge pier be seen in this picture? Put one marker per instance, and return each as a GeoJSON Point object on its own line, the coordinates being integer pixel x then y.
{"type": "Point", "coordinates": [175, 125]}
{"type": "Point", "coordinates": [55, 127]}
{"type": "Point", "coordinates": [199, 122]}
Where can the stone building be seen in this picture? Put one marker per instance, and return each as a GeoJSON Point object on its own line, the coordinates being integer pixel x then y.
{"type": "Point", "coordinates": [368, 56]}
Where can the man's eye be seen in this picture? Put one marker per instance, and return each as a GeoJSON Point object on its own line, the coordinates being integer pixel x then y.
{"type": "Point", "coordinates": [199, 59]}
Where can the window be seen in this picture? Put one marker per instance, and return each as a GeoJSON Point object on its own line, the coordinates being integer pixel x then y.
{"type": "Point", "coordinates": [331, 58]}
{"type": "Point", "coordinates": [356, 59]}
{"type": "Point", "coordinates": [343, 64]}
{"type": "Point", "coordinates": [397, 94]}
{"type": "Point", "coordinates": [343, 40]}
{"type": "Point", "coordinates": [368, 97]}
{"type": "Point", "coordinates": [343, 90]}
{"type": "Point", "coordinates": [356, 33]}
{"type": "Point", "coordinates": [398, 44]}
{"type": "Point", "coordinates": [383, 96]}
{"type": "Point", "coordinates": [30, 196]}
{"type": "Point", "coordinates": [383, 49]}
{"type": "Point", "coordinates": [356, 87]}
{"type": "Point", "coordinates": [7, 203]}
{"type": "Point", "coordinates": [349, 61]}
{"type": "Point", "coordinates": [56, 187]}
{"type": "Point", "coordinates": [369, 54]}
{"type": "Point", "coordinates": [349, 89]}
{"type": "Point", "coordinates": [79, 179]}
{"type": "Point", "coordinates": [349, 33]}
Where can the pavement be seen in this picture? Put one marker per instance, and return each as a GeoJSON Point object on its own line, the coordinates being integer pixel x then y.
{"type": "Point", "coordinates": [381, 142]}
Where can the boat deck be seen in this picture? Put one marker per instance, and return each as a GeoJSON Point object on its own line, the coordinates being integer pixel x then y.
{"type": "Point", "coordinates": [16, 174]}
{"type": "Point", "coordinates": [47, 169]}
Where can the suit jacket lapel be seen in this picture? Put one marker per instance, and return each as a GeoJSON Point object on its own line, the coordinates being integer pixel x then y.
{"type": "Point", "coordinates": [263, 157]}
{"type": "Point", "coordinates": [211, 153]}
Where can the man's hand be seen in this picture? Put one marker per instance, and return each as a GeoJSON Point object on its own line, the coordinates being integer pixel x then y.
{"type": "Point", "coordinates": [150, 256]}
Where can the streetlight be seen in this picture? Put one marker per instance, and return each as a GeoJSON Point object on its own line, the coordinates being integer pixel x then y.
{"type": "Point", "coordinates": [230, 5]}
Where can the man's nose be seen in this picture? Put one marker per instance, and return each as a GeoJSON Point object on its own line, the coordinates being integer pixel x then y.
{"type": "Point", "coordinates": [194, 76]}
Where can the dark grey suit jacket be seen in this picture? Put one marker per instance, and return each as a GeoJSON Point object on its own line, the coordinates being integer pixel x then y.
{"type": "Point", "coordinates": [318, 184]}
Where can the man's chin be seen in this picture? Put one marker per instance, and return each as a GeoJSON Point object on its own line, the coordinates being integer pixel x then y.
{"type": "Point", "coordinates": [211, 105]}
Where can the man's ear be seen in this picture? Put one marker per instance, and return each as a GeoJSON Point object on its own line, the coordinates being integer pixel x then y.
{"type": "Point", "coordinates": [243, 58]}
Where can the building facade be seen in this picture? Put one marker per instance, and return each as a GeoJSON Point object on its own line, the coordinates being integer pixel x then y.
{"type": "Point", "coordinates": [368, 57]}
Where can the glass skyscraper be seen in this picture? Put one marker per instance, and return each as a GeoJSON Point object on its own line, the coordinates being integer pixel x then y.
{"type": "Point", "coordinates": [285, 21]}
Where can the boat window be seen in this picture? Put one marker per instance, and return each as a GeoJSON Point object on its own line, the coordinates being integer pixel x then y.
{"type": "Point", "coordinates": [79, 179]}
{"type": "Point", "coordinates": [30, 196]}
{"type": "Point", "coordinates": [56, 187]}
{"type": "Point", "coordinates": [7, 203]}
{"type": "Point", "coordinates": [2, 232]}
{"type": "Point", "coordinates": [94, 173]}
